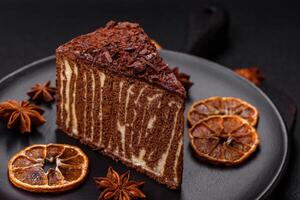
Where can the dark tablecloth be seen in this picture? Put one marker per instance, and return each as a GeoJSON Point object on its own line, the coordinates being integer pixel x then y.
{"type": "Point", "coordinates": [263, 33]}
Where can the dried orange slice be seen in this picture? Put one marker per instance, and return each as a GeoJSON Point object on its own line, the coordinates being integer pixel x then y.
{"type": "Point", "coordinates": [222, 106]}
{"type": "Point", "coordinates": [226, 139]}
{"type": "Point", "coordinates": [155, 44]}
{"type": "Point", "coordinates": [26, 169]}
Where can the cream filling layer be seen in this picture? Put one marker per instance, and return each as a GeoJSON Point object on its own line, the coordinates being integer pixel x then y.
{"type": "Point", "coordinates": [102, 81]}
{"type": "Point", "coordinates": [162, 161]}
{"type": "Point", "coordinates": [74, 123]}
{"type": "Point", "coordinates": [151, 122]}
{"type": "Point", "coordinates": [180, 145]}
{"type": "Point", "coordinates": [68, 73]}
{"type": "Point", "coordinates": [62, 100]}
{"type": "Point", "coordinates": [85, 104]}
{"type": "Point", "coordinates": [93, 105]}
{"type": "Point", "coordinates": [121, 128]}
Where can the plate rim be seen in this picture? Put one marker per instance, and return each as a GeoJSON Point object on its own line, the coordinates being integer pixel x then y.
{"type": "Point", "coordinates": [284, 162]}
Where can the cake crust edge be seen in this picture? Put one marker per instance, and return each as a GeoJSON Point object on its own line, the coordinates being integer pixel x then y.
{"type": "Point", "coordinates": [171, 185]}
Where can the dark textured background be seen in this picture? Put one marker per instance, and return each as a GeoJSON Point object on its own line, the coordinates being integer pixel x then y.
{"type": "Point", "coordinates": [263, 33]}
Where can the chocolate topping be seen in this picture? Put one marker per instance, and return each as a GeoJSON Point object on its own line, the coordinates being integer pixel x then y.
{"type": "Point", "coordinates": [123, 48]}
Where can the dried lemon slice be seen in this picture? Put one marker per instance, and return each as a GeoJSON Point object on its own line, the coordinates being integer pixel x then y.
{"type": "Point", "coordinates": [26, 168]}
{"type": "Point", "coordinates": [222, 106]}
{"type": "Point", "coordinates": [227, 140]}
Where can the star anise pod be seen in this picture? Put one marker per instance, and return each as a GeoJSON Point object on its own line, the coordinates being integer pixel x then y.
{"type": "Point", "coordinates": [42, 92]}
{"type": "Point", "coordinates": [118, 187]}
{"type": "Point", "coordinates": [253, 74]}
{"type": "Point", "coordinates": [183, 78]}
{"type": "Point", "coordinates": [22, 115]}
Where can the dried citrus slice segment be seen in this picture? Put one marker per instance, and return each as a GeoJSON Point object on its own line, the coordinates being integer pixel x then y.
{"type": "Point", "coordinates": [226, 139]}
{"type": "Point", "coordinates": [155, 44]}
{"type": "Point", "coordinates": [222, 106]}
{"type": "Point", "coordinates": [27, 170]}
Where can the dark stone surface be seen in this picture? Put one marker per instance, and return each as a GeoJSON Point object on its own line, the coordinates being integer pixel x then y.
{"type": "Point", "coordinates": [264, 33]}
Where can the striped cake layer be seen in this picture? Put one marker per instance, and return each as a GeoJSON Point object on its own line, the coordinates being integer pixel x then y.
{"type": "Point", "coordinates": [127, 119]}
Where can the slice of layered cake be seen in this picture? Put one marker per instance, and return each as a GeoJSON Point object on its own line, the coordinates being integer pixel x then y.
{"type": "Point", "coordinates": [116, 94]}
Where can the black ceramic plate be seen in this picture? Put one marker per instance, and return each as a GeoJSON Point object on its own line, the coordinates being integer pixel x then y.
{"type": "Point", "coordinates": [252, 180]}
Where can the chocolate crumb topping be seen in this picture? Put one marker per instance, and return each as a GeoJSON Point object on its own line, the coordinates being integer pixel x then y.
{"type": "Point", "coordinates": [183, 78]}
{"type": "Point", "coordinates": [123, 48]}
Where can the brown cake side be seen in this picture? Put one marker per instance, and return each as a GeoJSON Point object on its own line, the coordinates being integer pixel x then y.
{"type": "Point", "coordinates": [132, 116]}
